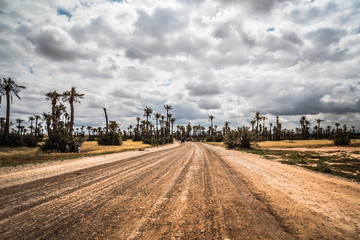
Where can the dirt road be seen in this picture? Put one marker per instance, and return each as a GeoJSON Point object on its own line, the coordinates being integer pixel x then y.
{"type": "Point", "coordinates": [187, 191]}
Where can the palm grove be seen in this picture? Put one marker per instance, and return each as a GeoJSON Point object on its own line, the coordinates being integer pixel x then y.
{"type": "Point", "coordinates": [62, 136]}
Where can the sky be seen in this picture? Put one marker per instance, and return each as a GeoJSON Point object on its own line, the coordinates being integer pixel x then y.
{"type": "Point", "coordinates": [224, 58]}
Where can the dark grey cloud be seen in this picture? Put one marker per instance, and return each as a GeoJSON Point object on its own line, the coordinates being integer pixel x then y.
{"type": "Point", "coordinates": [187, 111]}
{"type": "Point", "coordinates": [134, 74]}
{"type": "Point", "coordinates": [208, 103]}
{"type": "Point", "coordinates": [309, 102]}
{"type": "Point", "coordinates": [161, 22]}
{"type": "Point", "coordinates": [323, 37]}
{"type": "Point", "coordinates": [259, 6]}
{"type": "Point", "coordinates": [124, 93]}
{"type": "Point", "coordinates": [202, 88]}
{"type": "Point", "coordinates": [56, 44]}
{"type": "Point", "coordinates": [317, 55]}
{"type": "Point", "coordinates": [135, 53]}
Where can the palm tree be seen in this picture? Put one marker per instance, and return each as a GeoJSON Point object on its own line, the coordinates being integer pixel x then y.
{"type": "Point", "coordinates": [37, 117]}
{"type": "Point", "coordinates": [7, 87]}
{"type": "Point", "coordinates": [2, 119]}
{"type": "Point", "coordinates": [318, 120]}
{"type": "Point", "coordinates": [89, 129]}
{"type": "Point", "coordinates": [157, 116]}
{"type": "Point", "coordinates": [257, 118]}
{"type": "Point", "coordinates": [72, 97]}
{"type": "Point", "coordinates": [172, 120]}
{"type": "Point", "coordinates": [19, 121]}
{"type": "Point", "coordinates": [31, 119]}
{"type": "Point", "coordinates": [226, 127]}
{"type": "Point", "coordinates": [270, 124]}
{"type": "Point", "coordinates": [107, 121]}
{"type": "Point", "coordinates": [211, 118]}
{"type": "Point", "coordinates": [167, 108]}
{"type": "Point", "coordinates": [53, 97]}
{"type": "Point", "coordinates": [263, 118]}
{"type": "Point", "coordinates": [252, 122]}
{"type": "Point", "coordinates": [337, 126]}
{"type": "Point", "coordinates": [304, 122]}
{"type": "Point", "coordinates": [147, 113]}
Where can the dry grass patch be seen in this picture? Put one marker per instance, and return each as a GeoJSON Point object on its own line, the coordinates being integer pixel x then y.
{"type": "Point", "coordinates": [295, 143]}
{"type": "Point", "coordinates": [92, 147]}
{"type": "Point", "coordinates": [218, 144]}
{"type": "Point", "coordinates": [23, 155]}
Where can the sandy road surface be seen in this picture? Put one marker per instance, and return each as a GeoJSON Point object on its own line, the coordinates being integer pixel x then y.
{"type": "Point", "coordinates": [187, 191]}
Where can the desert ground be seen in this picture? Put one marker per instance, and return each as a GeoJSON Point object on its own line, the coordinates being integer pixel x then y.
{"type": "Point", "coordinates": [178, 191]}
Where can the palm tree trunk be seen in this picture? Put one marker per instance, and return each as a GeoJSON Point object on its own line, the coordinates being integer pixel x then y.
{"type": "Point", "coordinates": [7, 121]}
{"type": "Point", "coordinates": [71, 118]}
{"type": "Point", "coordinates": [107, 122]}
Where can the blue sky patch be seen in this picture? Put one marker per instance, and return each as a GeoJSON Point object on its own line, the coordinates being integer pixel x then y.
{"type": "Point", "coordinates": [270, 29]}
{"type": "Point", "coordinates": [31, 70]}
{"type": "Point", "coordinates": [119, 1]}
{"type": "Point", "coordinates": [61, 11]}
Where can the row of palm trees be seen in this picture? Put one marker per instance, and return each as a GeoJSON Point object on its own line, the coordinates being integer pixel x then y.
{"type": "Point", "coordinates": [275, 132]}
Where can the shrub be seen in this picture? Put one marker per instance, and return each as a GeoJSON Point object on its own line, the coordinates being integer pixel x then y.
{"type": "Point", "coordinates": [157, 141]}
{"type": "Point", "coordinates": [341, 138]}
{"type": "Point", "coordinates": [111, 138]}
{"type": "Point", "coordinates": [29, 140]}
{"type": "Point", "coordinates": [59, 141]}
{"type": "Point", "coordinates": [240, 137]}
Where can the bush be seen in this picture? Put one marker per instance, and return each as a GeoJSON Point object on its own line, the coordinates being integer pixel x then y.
{"type": "Point", "coordinates": [217, 138]}
{"type": "Point", "coordinates": [157, 141]}
{"type": "Point", "coordinates": [29, 140]}
{"type": "Point", "coordinates": [110, 138]}
{"type": "Point", "coordinates": [60, 141]}
{"type": "Point", "coordinates": [240, 137]}
{"type": "Point", "coordinates": [341, 138]}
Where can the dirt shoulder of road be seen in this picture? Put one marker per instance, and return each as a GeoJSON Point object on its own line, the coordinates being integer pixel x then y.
{"type": "Point", "coordinates": [317, 204]}
{"type": "Point", "coordinates": [10, 176]}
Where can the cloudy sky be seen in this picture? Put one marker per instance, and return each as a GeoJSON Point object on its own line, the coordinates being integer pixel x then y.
{"type": "Point", "coordinates": [227, 58]}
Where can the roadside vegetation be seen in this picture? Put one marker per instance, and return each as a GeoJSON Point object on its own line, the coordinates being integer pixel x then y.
{"type": "Point", "coordinates": [24, 155]}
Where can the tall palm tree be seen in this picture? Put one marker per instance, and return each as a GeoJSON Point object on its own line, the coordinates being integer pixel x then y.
{"type": "Point", "coordinates": [53, 97]}
{"type": "Point", "coordinates": [257, 118]}
{"type": "Point", "coordinates": [264, 119]}
{"type": "Point", "coordinates": [72, 97]}
{"type": "Point", "coordinates": [7, 88]}
{"type": "Point", "coordinates": [89, 129]}
{"type": "Point", "coordinates": [167, 108]}
{"type": "Point", "coordinates": [172, 120]}
{"type": "Point", "coordinates": [37, 117]}
{"type": "Point", "coordinates": [107, 121]}
{"type": "Point", "coordinates": [303, 123]}
{"type": "Point", "coordinates": [226, 127]}
{"type": "Point", "coordinates": [318, 120]}
{"type": "Point", "coordinates": [147, 113]}
{"type": "Point", "coordinates": [157, 116]}
{"type": "Point", "coordinates": [337, 126]}
{"type": "Point", "coordinates": [19, 121]}
{"type": "Point", "coordinates": [31, 119]}
{"type": "Point", "coordinates": [211, 118]}
{"type": "Point", "coordinates": [2, 121]}
{"type": "Point", "coordinates": [252, 122]}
